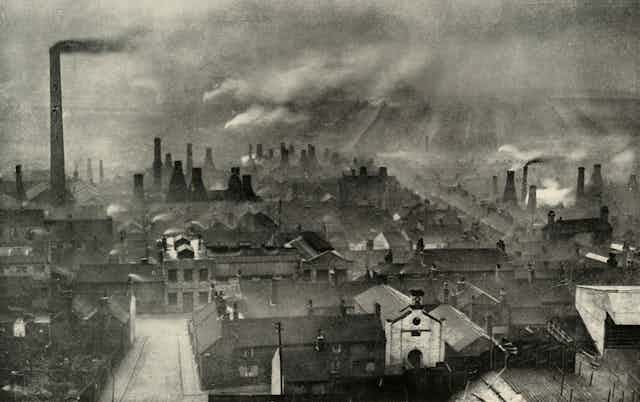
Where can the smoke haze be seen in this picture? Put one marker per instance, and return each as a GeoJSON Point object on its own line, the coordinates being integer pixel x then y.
{"type": "Point", "coordinates": [283, 69]}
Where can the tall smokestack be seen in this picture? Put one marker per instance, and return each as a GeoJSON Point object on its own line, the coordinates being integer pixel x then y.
{"type": "Point", "coordinates": [89, 170]}
{"type": "Point", "coordinates": [597, 183]}
{"type": "Point", "coordinates": [284, 155]}
{"type": "Point", "coordinates": [197, 191]}
{"type": "Point", "coordinates": [533, 200]}
{"type": "Point", "coordinates": [509, 196]}
{"type": "Point", "coordinates": [177, 186]}
{"type": "Point", "coordinates": [580, 184]}
{"type": "Point", "coordinates": [101, 169]}
{"type": "Point", "coordinates": [259, 151]}
{"type": "Point", "coordinates": [494, 187]}
{"type": "Point", "coordinates": [208, 159]}
{"type": "Point", "coordinates": [167, 170]}
{"type": "Point", "coordinates": [138, 187]}
{"type": "Point", "coordinates": [57, 175]}
{"type": "Point", "coordinates": [20, 193]}
{"type": "Point", "coordinates": [157, 163]}
{"type": "Point", "coordinates": [189, 161]}
{"type": "Point", "coordinates": [633, 183]}
{"type": "Point", "coordinates": [523, 192]}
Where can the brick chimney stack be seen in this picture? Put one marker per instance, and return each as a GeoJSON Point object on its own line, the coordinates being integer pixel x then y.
{"type": "Point", "coordinates": [580, 184]}
{"type": "Point", "coordinates": [494, 187]}
{"type": "Point", "coordinates": [208, 158]}
{"type": "Point", "coordinates": [597, 184]}
{"type": "Point", "coordinates": [157, 163]}
{"type": "Point", "coordinates": [138, 187]}
{"type": "Point", "coordinates": [101, 171]}
{"type": "Point", "coordinates": [259, 151]}
{"type": "Point", "coordinates": [89, 170]}
{"type": "Point", "coordinates": [189, 162]}
{"type": "Point", "coordinates": [247, 189]}
{"type": "Point", "coordinates": [509, 196]}
{"type": "Point", "coordinates": [57, 174]}
{"type": "Point", "coordinates": [284, 155]}
{"type": "Point", "coordinates": [177, 187]}
{"type": "Point", "coordinates": [525, 174]}
{"type": "Point", "coordinates": [197, 191]}
{"type": "Point", "coordinates": [20, 192]}
{"type": "Point", "coordinates": [533, 200]}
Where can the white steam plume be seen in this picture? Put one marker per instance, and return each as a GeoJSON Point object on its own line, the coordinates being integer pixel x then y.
{"type": "Point", "coordinates": [552, 194]}
{"type": "Point", "coordinates": [258, 115]}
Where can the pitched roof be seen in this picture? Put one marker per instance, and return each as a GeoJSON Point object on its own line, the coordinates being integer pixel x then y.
{"type": "Point", "coordinates": [575, 226]}
{"type": "Point", "coordinates": [303, 330]}
{"type": "Point", "coordinates": [118, 273]}
{"type": "Point", "coordinates": [207, 326]}
{"type": "Point", "coordinates": [310, 244]}
{"type": "Point", "coordinates": [391, 301]}
{"type": "Point", "coordinates": [459, 330]}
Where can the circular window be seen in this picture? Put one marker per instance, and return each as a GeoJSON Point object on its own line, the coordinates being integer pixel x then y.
{"type": "Point", "coordinates": [416, 321]}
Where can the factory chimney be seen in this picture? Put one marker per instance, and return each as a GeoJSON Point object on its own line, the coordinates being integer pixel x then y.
{"type": "Point", "coordinates": [58, 185]}
{"type": "Point", "coordinates": [284, 155]}
{"type": "Point", "coordinates": [20, 193]}
{"type": "Point", "coordinates": [234, 187]}
{"type": "Point", "coordinates": [89, 171]}
{"type": "Point", "coordinates": [303, 158]}
{"type": "Point", "coordinates": [509, 196]}
{"type": "Point", "coordinates": [197, 191]}
{"type": "Point", "coordinates": [532, 203]}
{"type": "Point", "coordinates": [157, 163]}
{"type": "Point", "coordinates": [177, 186]}
{"type": "Point", "coordinates": [596, 181]}
{"type": "Point", "coordinates": [525, 174]}
{"type": "Point", "coordinates": [189, 161]}
{"type": "Point", "coordinates": [208, 159]}
{"type": "Point", "coordinates": [138, 187]}
{"type": "Point", "coordinates": [633, 183]}
{"type": "Point", "coordinates": [271, 153]}
{"type": "Point", "coordinates": [101, 171]}
{"type": "Point", "coordinates": [259, 154]}
{"type": "Point", "coordinates": [247, 188]}
{"type": "Point", "coordinates": [580, 184]}
{"type": "Point", "coordinates": [494, 187]}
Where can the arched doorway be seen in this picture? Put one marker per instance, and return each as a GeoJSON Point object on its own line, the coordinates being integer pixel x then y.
{"type": "Point", "coordinates": [415, 358]}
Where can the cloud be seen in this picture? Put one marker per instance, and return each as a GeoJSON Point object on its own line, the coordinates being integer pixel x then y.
{"type": "Point", "coordinates": [258, 115]}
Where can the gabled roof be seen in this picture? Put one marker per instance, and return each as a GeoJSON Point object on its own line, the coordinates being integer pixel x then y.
{"type": "Point", "coordinates": [310, 244]}
{"type": "Point", "coordinates": [303, 330]}
{"type": "Point", "coordinates": [459, 330]}
{"type": "Point", "coordinates": [391, 301]}
{"type": "Point", "coordinates": [207, 326]}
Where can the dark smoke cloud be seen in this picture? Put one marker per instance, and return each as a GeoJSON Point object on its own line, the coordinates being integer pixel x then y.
{"type": "Point", "coordinates": [312, 59]}
{"type": "Point", "coordinates": [120, 43]}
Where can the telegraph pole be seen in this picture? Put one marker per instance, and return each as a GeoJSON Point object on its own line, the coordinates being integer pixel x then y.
{"type": "Point", "coordinates": [279, 329]}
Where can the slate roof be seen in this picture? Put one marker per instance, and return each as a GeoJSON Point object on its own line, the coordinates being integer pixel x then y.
{"type": "Point", "coordinates": [391, 301]}
{"type": "Point", "coordinates": [310, 244]}
{"type": "Point", "coordinates": [207, 326]}
{"type": "Point", "coordinates": [568, 227]}
{"type": "Point", "coordinates": [257, 332]}
{"type": "Point", "coordinates": [459, 330]}
{"type": "Point", "coordinates": [304, 365]}
{"type": "Point", "coordinates": [118, 273]}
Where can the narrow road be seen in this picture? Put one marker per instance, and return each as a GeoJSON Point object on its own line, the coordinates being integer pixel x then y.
{"type": "Point", "coordinates": [160, 366]}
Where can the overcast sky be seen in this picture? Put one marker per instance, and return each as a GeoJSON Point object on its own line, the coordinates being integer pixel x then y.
{"type": "Point", "coordinates": [206, 65]}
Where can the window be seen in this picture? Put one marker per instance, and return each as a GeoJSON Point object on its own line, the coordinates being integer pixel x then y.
{"type": "Point", "coordinates": [173, 299]}
{"type": "Point", "coordinates": [203, 297]}
{"type": "Point", "coordinates": [247, 352]}
{"type": "Point", "coordinates": [415, 333]}
{"type": "Point", "coordinates": [370, 367]}
{"type": "Point", "coordinates": [173, 275]}
{"type": "Point", "coordinates": [335, 365]}
{"type": "Point", "coordinates": [248, 371]}
{"type": "Point", "coordinates": [188, 275]}
{"type": "Point", "coordinates": [203, 275]}
{"type": "Point", "coordinates": [336, 348]}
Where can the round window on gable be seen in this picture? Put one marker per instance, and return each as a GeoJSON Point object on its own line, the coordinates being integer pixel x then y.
{"type": "Point", "coordinates": [416, 321]}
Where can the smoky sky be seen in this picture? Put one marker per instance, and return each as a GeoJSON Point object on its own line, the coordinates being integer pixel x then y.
{"type": "Point", "coordinates": [213, 72]}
